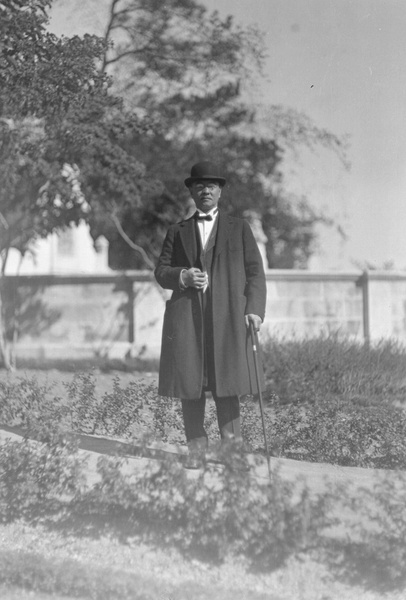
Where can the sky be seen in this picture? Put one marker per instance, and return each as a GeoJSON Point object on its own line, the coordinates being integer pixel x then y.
{"type": "Point", "coordinates": [343, 64]}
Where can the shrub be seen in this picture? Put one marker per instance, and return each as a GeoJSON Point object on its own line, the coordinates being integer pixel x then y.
{"type": "Point", "coordinates": [220, 513]}
{"type": "Point", "coordinates": [82, 403]}
{"type": "Point", "coordinates": [335, 400]}
{"type": "Point", "coordinates": [34, 474]}
{"type": "Point", "coordinates": [328, 400]}
{"type": "Point", "coordinates": [216, 514]}
{"type": "Point", "coordinates": [25, 402]}
{"type": "Point", "coordinates": [125, 412]}
{"type": "Point", "coordinates": [375, 553]}
{"type": "Point", "coordinates": [340, 432]}
{"type": "Point", "coordinates": [312, 369]}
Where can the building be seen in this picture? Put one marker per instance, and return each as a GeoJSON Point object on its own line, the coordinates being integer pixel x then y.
{"type": "Point", "coordinates": [70, 251]}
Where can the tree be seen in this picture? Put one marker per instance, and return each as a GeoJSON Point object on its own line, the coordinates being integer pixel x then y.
{"type": "Point", "coordinates": [62, 134]}
{"type": "Point", "coordinates": [182, 67]}
{"type": "Point", "coordinates": [187, 70]}
{"type": "Point", "coordinates": [161, 51]}
{"type": "Point", "coordinates": [72, 149]}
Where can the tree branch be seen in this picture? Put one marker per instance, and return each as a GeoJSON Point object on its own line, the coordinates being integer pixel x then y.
{"type": "Point", "coordinates": [132, 245]}
{"type": "Point", "coordinates": [106, 36]}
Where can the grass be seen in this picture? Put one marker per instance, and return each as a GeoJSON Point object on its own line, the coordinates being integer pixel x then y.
{"type": "Point", "coordinates": [105, 565]}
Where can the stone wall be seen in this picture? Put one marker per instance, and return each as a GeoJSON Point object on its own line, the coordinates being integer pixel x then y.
{"type": "Point", "coordinates": [94, 313]}
{"type": "Point", "coordinates": [302, 304]}
{"type": "Point", "coordinates": [387, 306]}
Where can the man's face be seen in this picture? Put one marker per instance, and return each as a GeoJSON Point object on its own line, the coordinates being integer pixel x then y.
{"type": "Point", "coordinates": [206, 194]}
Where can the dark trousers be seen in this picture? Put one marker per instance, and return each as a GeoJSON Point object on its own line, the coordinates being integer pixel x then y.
{"type": "Point", "coordinates": [228, 407]}
{"type": "Point", "coordinates": [228, 417]}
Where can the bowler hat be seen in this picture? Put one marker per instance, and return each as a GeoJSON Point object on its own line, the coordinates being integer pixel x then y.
{"type": "Point", "coordinates": [204, 170]}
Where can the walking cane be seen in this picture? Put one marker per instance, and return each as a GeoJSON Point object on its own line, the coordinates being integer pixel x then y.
{"type": "Point", "coordinates": [255, 346]}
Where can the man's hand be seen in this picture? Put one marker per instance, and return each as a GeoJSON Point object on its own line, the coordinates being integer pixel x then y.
{"type": "Point", "coordinates": [256, 321]}
{"type": "Point", "coordinates": [194, 278]}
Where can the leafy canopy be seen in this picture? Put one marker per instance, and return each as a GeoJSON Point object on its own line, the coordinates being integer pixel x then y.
{"type": "Point", "coordinates": [62, 132]}
{"type": "Point", "coordinates": [190, 72]}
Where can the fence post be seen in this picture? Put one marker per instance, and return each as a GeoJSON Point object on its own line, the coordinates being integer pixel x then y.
{"type": "Point", "coordinates": [363, 282]}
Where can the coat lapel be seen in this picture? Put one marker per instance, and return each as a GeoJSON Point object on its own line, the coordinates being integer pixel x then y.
{"type": "Point", "coordinates": [222, 233]}
{"type": "Point", "coordinates": [188, 238]}
{"type": "Point", "coordinates": [213, 236]}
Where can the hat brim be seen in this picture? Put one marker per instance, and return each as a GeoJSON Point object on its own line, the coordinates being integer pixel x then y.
{"type": "Point", "coordinates": [190, 180]}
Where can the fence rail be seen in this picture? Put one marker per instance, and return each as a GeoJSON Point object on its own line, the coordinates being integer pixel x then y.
{"type": "Point", "coordinates": [368, 305]}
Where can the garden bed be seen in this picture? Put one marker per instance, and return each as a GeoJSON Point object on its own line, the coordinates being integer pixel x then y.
{"type": "Point", "coordinates": [223, 532]}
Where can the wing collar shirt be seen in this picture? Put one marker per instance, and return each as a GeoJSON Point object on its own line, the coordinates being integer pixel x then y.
{"type": "Point", "coordinates": [205, 226]}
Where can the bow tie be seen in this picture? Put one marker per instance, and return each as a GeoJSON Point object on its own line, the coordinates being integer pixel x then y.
{"type": "Point", "coordinates": [201, 217]}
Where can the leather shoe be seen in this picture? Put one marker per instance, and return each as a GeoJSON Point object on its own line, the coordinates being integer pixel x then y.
{"type": "Point", "coordinates": [197, 453]}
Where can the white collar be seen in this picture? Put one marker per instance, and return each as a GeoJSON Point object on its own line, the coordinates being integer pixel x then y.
{"type": "Point", "coordinates": [213, 212]}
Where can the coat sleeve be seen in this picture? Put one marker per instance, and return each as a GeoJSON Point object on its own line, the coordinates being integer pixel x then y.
{"type": "Point", "coordinates": [167, 273]}
{"type": "Point", "coordinates": [255, 288]}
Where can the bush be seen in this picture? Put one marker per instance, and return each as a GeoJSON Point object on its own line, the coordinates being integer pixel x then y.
{"type": "Point", "coordinates": [314, 369]}
{"type": "Point", "coordinates": [26, 403]}
{"type": "Point", "coordinates": [126, 412]}
{"type": "Point", "coordinates": [220, 513]}
{"type": "Point", "coordinates": [34, 475]}
{"type": "Point", "coordinates": [328, 400]}
{"type": "Point", "coordinates": [374, 555]}
{"type": "Point", "coordinates": [334, 400]}
{"type": "Point", "coordinates": [214, 515]}
{"type": "Point", "coordinates": [340, 428]}
{"type": "Point", "coordinates": [340, 432]}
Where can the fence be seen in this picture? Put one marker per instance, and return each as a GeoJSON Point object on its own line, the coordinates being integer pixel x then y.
{"type": "Point", "coordinates": [83, 315]}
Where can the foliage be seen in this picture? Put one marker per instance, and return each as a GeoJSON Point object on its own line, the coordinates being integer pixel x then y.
{"type": "Point", "coordinates": [26, 403]}
{"type": "Point", "coordinates": [333, 417]}
{"type": "Point", "coordinates": [63, 135]}
{"type": "Point", "coordinates": [190, 74]}
{"type": "Point", "coordinates": [44, 81]}
{"type": "Point", "coordinates": [254, 187]}
{"type": "Point", "coordinates": [375, 555]}
{"type": "Point", "coordinates": [174, 53]}
{"type": "Point", "coordinates": [339, 432]}
{"type": "Point", "coordinates": [334, 400]}
{"type": "Point", "coordinates": [71, 151]}
{"type": "Point", "coordinates": [220, 514]}
{"type": "Point", "coordinates": [34, 477]}
{"type": "Point", "coordinates": [129, 412]}
{"type": "Point", "coordinates": [237, 515]}
{"type": "Point", "coordinates": [212, 517]}
{"type": "Point", "coordinates": [225, 511]}
{"type": "Point", "coordinates": [385, 553]}
{"type": "Point", "coordinates": [312, 369]}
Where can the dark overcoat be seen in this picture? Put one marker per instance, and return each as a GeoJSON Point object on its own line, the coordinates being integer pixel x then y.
{"type": "Point", "coordinates": [237, 288]}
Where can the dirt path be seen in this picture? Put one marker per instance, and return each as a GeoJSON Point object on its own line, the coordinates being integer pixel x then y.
{"type": "Point", "coordinates": [316, 476]}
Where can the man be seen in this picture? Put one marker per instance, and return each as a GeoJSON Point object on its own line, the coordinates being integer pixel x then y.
{"type": "Point", "coordinates": [212, 263]}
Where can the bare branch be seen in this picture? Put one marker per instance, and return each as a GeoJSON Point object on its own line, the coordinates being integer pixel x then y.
{"type": "Point", "coordinates": [4, 222]}
{"type": "Point", "coordinates": [129, 241]}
